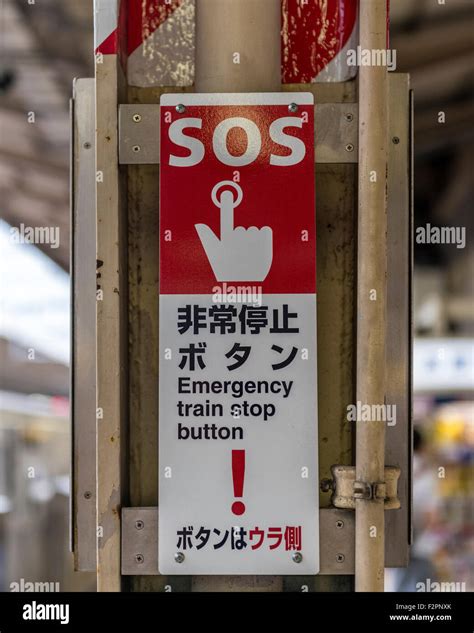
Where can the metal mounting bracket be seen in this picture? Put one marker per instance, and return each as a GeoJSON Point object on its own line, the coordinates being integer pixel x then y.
{"type": "Point", "coordinates": [140, 541]}
{"type": "Point", "coordinates": [336, 538]}
{"type": "Point", "coordinates": [336, 133]}
{"type": "Point", "coordinates": [347, 489]}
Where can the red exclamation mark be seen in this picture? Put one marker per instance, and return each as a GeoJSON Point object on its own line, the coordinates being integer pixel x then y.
{"type": "Point", "coordinates": [238, 472]}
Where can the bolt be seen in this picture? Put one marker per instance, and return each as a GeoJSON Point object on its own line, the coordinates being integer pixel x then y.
{"type": "Point", "coordinates": [136, 148]}
{"type": "Point", "coordinates": [326, 485]}
{"type": "Point", "coordinates": [139, 525]}
{"type": "Point", "coordinates": [87, 145]}
{"type": "Point", "coordinates": [297, 557]}
{"type": "Point", "coordinates": [293, 107]}
{"type": "Point", "coordinates": [137, 117]}
{"type": "Point", "coordinates": [139, 558]}
{"type": "Point", "coordinates": [340, 558]}
{"type": "Point", "coordinates": [349, 147]}
{"type": "Point", "coordinates": [87, 494]}
{"type": "Point", "coordinates": [395, 140]}
{"type": "Point", "coordinates": [339, 524]}
{"type": "Point", "coordinates": [179, 557]}
{"type": "Point", "coordinates": [349, 116]}
{"type": "Point", "coordinates": [180, 108]}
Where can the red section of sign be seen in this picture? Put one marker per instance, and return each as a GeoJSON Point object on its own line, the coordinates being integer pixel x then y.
{"type": "Point", "coordinates": [280, 197]}
{"type": "Point", "coordinates": [144, 17]}
{"type": "Point", "coordinates": [313, 33]}
{"type": "Point", "coordinates": [238, 474]}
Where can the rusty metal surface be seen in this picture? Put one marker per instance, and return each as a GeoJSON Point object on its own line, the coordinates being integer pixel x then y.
{"type": "Point", "coordinates": [335, 216]}
{"type": "Point", "coordinates": [398, 438]}
{"type": "Point", "coordinates": [143, 196]}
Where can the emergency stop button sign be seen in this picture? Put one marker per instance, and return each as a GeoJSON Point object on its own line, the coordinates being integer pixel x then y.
{"type": "Point", "coordinates": [238, 471]}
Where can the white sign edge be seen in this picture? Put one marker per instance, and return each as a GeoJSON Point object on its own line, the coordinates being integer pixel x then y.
{"type": "Point", "coordinates": [237, 98]}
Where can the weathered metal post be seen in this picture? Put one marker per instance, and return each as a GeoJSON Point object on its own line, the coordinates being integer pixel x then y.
{"type": "Point", "coordinates": [111, 325]}
{"type": "Point", "coordinates": [371, 296]}
{"type": "Point", "coordinates": [238, 46]}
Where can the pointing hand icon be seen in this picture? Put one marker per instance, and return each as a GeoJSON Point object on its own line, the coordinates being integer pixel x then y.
{"type": "Point", "coordinates": [240, 254]}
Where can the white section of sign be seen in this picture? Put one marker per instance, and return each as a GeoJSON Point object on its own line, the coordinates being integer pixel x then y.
{"type": "Point", "coordinates": [265, 406]}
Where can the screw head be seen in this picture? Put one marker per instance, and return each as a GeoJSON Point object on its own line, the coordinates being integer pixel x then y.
{"type": "Point", "coordinates": [179, 557]}
{"type": "Point", "coordinates": [136, 148]}
{"type": "Point", "coordinates": [87, 494]}
{"type": "Point", "coordinates": [340, 558]}
{"type": "Point", "coordinates": [349, 147]}
{"type": "Point", "coordinates": [326, 485]}
{"type": "Point", "coordinates": [180, 108]}
{"type": "Point", "coordinates": [349, 116]}
{"type": "Point", "coordinates": [87, 145]}
{"type": "Point", "coordinates": [139, 558]}
{"type": "Point", "coordinates": [395, 140]}
{"type": "Point", "coordinates": [297, 557]}
{"type": "Point", "coordinates": [339, 524]}
{"type": "Point", "coordinates": [137, 117]}
{"type": "Point", "coordinates": [293, 107]}
{"type": "Point", "coordinates": [139, 525]}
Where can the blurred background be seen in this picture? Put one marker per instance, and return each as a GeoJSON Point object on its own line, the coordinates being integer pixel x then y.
{"type": "Point", "coordinates": [45, 45]}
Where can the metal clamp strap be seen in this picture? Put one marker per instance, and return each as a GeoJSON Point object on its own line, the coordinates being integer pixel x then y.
{"type": "Point", "coordinates": [364, 490]}
{"type": "Point", "coordinates": [346, 489]}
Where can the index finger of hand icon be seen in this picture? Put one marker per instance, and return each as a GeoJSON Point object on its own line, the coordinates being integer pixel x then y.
{"type": "Point", "coordinates": [227, 213]}
{"type": "Point", "coordinates": [230, 184]}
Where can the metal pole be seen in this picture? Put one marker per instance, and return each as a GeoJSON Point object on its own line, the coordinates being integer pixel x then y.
{"type": "Point", "coordinates": [238, 45]}
{"type": "Point", "coordinates": [371, 295]}
{"type": "Point", "coordinates": [238, 50]}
